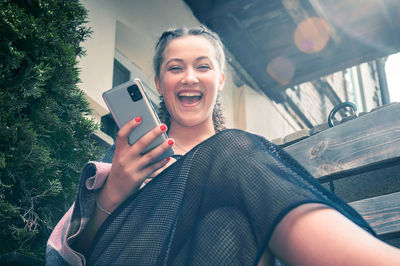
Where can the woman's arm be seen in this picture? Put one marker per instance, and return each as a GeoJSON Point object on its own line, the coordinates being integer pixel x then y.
{"type": "Point", "coordinates": [128, 171]}
{"type": "Point", "coordinates": [84, 241]}
{"type": "Point", "coordinates": [314, 234]}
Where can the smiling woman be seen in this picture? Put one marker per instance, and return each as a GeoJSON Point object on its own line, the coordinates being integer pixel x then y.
{"type": "Point", "coordinates": [190, 79]}
{"type": "Point", "coordinates": [231, 198]}
{"type": "Point", "coordinates": [194, 71]}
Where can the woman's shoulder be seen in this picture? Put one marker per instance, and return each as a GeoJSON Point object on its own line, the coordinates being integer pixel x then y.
{"type": "Point", "coordinates": [238, 134]}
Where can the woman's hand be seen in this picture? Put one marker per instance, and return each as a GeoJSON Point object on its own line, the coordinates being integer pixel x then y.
{"type": "Point", "coordinates": [129, 167]}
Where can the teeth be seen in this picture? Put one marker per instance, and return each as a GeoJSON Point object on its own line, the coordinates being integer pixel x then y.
{"type": "Point", "coordinates": [189, 94]}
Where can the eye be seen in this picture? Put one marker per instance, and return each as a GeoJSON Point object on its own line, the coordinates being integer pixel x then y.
{"type": "Point", "coordinates": [204, 67]}
{"type": "Point", "coordinates": [175, 68]}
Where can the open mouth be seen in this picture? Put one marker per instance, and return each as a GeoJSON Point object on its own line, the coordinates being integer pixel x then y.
{"type": "Point", "coordinates": [190, 97]}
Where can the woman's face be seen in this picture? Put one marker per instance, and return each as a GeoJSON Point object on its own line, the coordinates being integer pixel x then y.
{"type": "Point", "coordinates": [190, 79]}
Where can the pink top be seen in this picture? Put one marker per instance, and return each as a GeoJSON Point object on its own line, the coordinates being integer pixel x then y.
{"type": "Point", "coordinates": [62, 235]}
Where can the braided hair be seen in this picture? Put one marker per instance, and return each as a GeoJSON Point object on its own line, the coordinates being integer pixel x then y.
{"type": "Point", "coordinates": [163, 41]}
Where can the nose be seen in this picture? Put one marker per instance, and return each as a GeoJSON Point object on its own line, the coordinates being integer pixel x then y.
{"type": "Point", "coordinates": [190, 77]}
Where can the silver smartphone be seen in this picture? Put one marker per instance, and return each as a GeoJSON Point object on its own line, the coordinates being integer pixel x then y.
{"type": "Point", "coordinates": [129, 100]}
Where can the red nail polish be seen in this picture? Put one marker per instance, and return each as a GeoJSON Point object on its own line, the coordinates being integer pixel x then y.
{"type": "Point", "coordinates": [163, 127]}
{"type": "Point", "coordinates": [167, 159]}
{"type": "Point", "coordinates": [171, 142]}
{"type": "Point", "coordinates": [138, 119]}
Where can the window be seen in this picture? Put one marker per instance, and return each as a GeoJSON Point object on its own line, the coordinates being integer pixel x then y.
{"type": "Point", "coordinates": [120, 73]}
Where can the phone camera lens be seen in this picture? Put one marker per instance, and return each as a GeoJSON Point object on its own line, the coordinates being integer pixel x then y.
{"type": "Point", "coordinates": [134, 93]}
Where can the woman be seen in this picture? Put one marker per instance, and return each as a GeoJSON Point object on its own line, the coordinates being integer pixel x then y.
{"type": "Point", "coordinates": [233, 198]}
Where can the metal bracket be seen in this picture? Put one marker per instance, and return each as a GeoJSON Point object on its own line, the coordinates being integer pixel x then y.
{"type": "Point", "coordinates": [338, 107]}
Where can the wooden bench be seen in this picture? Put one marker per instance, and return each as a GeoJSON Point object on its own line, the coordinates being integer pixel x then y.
{"type": "Point", "coordinates": [382, 213]}
{"type": "Point", "coordinates": [360, 158]}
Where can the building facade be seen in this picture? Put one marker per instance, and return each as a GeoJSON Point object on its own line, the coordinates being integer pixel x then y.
{"type": "Point", "coordinates": [122, 46]}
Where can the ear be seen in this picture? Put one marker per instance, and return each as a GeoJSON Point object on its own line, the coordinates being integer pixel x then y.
{"type": "Point", "coordinates": [221, 82]}
{"type": "Point", "coordinates": [158, 85]}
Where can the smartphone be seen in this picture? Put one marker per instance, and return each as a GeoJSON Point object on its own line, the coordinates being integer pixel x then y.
{"type": "Point", "coordinates": [129, 100]}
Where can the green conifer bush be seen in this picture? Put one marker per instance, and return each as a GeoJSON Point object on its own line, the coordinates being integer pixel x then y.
{"type": "Point", "coordinates": [44, 126]}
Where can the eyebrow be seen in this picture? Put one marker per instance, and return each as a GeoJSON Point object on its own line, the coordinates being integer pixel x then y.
{"type": "Point", "coordinates": [181, 60]}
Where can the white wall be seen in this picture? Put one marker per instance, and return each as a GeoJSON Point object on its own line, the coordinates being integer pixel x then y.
{"type": "Point", "coordinates": [266, 118]}
{"type": "Point", "coordinates": [97, 65]}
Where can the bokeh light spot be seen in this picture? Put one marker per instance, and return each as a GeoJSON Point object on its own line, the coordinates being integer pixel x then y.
{"type": "Point", "coordinates": [281, 69]}
{"type": "Point", "coordinates": [312, 35]}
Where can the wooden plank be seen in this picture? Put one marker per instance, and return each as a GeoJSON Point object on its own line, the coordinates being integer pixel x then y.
{"type": "Point", "coordinates": [382, 213]}
{"type": "Point", "coordinates": [370, 139]}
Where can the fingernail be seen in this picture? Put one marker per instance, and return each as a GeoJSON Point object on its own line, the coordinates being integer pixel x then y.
{"type": "Point", "coordinates": [163, 127]}
{"type": "Point", "coordinates": [171, 142]}
{"type": "Point", "coordinates": [138, 119]}
{"type": "Point", "coordinates": [167, 159]}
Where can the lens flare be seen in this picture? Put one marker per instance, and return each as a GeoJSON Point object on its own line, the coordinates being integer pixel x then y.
{"type": "Point", "coordinates": [365, 22]}
{"type": "Point", "coordinates": [312, 35]}
{"type": "Point", "coordinates": [281, 69]}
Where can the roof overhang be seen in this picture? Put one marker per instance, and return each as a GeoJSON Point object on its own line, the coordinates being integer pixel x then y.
{"type": "Point", "coordinates": [282, 43]}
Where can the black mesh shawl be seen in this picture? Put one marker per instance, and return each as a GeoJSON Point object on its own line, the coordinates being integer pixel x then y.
{"type": "Point", "coordinates": [217, 205]}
